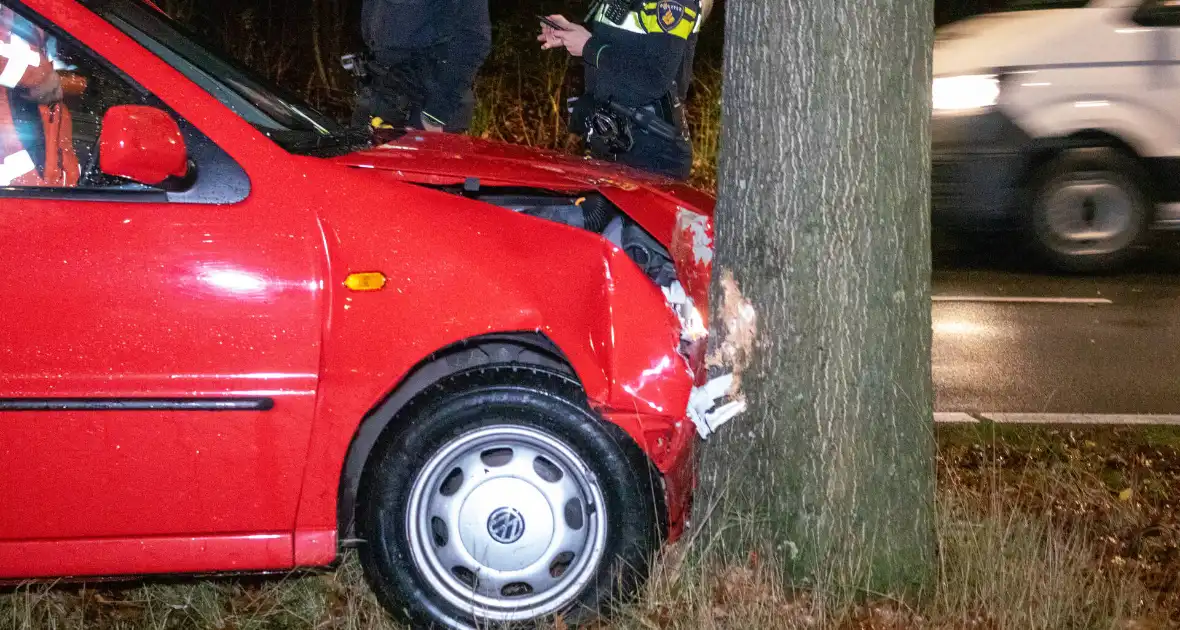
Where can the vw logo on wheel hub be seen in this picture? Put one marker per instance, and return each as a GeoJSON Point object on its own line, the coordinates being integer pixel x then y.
{"type": "Point", "coordinates": [506, 526]}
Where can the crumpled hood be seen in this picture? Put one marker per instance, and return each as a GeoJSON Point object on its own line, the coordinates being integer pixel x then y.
{"type": "Point", "coordinates": [677, 215]}
{"type": "Point", "coordinates": [442, 159]}
{"type": "Point", "coordinates": [1017, 38]}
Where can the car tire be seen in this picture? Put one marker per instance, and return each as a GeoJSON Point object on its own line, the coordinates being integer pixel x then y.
{"type": "Point", "coordinates": [464, 500]}
{"type": "Point", "coordinates": [1090, 210]}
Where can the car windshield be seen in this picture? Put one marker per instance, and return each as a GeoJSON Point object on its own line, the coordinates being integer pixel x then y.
{"type": "Point", "coordinates": [291, 123]}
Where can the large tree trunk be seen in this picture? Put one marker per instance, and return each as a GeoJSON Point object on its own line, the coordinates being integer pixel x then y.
{"type": "Point", "coordinates": [823, 222]}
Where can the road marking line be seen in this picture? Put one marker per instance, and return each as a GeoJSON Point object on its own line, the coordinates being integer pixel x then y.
{"type": "Point", "coordinates": [1019, 300]}
{"type": "Point", "coordinates": [1096, 419]}
{"type": "Point", "coordinates": [1082, 418]}
{"type": "Point", "coordinates": [954, 418]}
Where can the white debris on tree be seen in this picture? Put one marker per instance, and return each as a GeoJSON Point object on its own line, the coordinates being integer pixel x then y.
{"type": "Point", "coordinates": [733, 355]}
{"type": "Point", "coordinates": [703, 409]}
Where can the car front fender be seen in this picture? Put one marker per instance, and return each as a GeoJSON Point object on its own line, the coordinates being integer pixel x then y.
{"type": "Point", "coordinates": [465, 271]}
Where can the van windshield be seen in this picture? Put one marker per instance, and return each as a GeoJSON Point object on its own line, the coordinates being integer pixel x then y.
{"type": "Point", "coordinates": [287, 120]}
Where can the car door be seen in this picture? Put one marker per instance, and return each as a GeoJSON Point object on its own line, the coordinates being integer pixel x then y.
{"type": "Point", "coordinates": [1154, 29]}
{"type": "Point", "coordinates": [159, 344]}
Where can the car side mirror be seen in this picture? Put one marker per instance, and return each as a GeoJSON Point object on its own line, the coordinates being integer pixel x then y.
{"type": "Point", "coordinates": [1158, 13]}
{"type": "Point", "coordinates": [142, 144]}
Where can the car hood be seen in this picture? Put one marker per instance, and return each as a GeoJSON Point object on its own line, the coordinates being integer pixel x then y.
{"type": "Point", "coordinates": [1019, 38]}
{"type": "Point", "coordinates": [448, 159]}
{"type": "Point", "coordinates": [677, 215]}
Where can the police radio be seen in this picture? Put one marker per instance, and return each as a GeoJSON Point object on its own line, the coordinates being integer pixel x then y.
{"type": "Point", "coordinates": [615, 10]}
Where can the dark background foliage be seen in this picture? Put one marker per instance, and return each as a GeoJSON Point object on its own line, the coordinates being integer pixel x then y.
{"type": "Point", "coordinates": [522, 91]}
{"type": "Point", "coordinates": [298, 42]}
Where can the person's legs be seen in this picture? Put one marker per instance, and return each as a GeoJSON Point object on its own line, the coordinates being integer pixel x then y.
{"type": "Point", "coordinates": [658, 156]}
{"type": "Point", "coordinates": [394, 93]}
{"type": "Point", "coordinates": [362, 111]}
{"type": "Point", "coordinates": [465, 116]}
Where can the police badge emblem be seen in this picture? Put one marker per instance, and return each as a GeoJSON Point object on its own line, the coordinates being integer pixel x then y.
{"type": "Point", "coordinates": [669, 13]}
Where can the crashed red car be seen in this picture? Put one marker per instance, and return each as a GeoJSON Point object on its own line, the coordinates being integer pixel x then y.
{"type": "Point", "coordinates": [248, 339]}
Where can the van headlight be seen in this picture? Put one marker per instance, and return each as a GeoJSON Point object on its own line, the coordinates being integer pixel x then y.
{"type": "Point", "coordinates": [967, 92]}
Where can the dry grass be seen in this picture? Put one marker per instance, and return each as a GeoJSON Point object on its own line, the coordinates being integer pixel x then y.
{"type": "Point", "coordinates": [337, 600]}
{"type": "Point", "coordinates": [1036, 529]}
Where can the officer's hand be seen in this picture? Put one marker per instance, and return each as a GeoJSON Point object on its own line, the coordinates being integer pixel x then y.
{"type": "Point", "coordinates": [548, 37]}
{"type": "Point", "coordinates": [572, 36]}
{"type": "Point", "coordinates": [574, 39]}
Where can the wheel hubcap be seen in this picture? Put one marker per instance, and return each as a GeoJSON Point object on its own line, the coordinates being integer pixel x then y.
{"type": "Point", "coordinates": [1089, 214]}
{"type": "Point", "coordinates": [507, 522]}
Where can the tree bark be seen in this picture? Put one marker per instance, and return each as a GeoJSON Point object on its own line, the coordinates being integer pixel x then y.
{"type": "Point", "coordinates": [823, 224]}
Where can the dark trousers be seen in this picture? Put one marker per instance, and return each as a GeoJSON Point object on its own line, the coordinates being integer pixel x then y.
{"type": "Point", "coordinates": [370, 104]}
{"type": "Point", "coordinates": [399, 87]}
{"type": "Point", "coordinates": [655, 155]}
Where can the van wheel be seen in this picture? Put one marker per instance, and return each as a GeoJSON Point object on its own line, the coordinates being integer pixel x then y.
{"type": "Point", "coordinates": [1090, 210]}
{"type": "Point", "coordinates": [501, 498]}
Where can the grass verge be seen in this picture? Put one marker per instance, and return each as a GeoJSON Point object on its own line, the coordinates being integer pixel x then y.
{"type": "Point", "coordinates": [1038, 528]}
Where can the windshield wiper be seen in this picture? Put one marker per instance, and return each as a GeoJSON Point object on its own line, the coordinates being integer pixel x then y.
{"type": "Point", "coordinates": [332, 144]}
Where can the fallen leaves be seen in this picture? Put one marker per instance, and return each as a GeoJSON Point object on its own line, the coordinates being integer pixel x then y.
{"type": "Point", "coordinates": [1117, 485]}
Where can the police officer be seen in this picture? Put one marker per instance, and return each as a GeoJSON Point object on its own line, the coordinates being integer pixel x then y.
{"type": "Point", "coordinates": [425, 55]}
{"type": "Point", "coordinates": [638, 65]}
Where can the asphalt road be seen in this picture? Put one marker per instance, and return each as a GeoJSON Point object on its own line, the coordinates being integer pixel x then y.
{"type": "Point", "coordinates": [1012, 337]}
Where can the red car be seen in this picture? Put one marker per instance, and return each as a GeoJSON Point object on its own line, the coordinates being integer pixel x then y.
{"type": "Point", "coordinates": [248, 339]}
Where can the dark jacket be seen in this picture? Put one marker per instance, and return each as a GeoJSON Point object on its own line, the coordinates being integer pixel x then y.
{"type": "Point", "coordinates": [638, 62]}
{"type": "Point", "coordinates": [453, 36]}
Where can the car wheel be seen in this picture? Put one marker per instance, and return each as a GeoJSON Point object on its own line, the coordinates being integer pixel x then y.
{"type": "Point", "coordinates": [500, 497]}
{"type": "Point", "coordinates": [1090, 211]}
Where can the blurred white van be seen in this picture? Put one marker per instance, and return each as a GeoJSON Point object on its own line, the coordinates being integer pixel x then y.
{"type": "Point", "coordinates": [1063, 124]}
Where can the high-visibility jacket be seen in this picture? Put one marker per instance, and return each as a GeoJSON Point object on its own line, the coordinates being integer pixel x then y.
{"type": "Point", "coordinates": [646, 56]}
{"type": "Point", "coordinates": [36, 140]}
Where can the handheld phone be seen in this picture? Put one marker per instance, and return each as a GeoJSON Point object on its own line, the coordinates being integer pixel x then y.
{"type": "Point", "coordinates": [551, 24]}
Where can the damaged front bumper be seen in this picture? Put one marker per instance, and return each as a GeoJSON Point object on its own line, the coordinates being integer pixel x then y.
{"type": "Point", "coordinates": [707, 406]}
